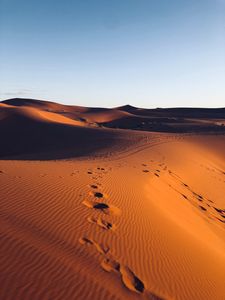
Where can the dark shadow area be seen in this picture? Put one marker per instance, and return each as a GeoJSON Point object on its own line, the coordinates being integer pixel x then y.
{"type": "Point", "coordinates": [164, 124]}
{"type": "Point", "coordinates": [26, 140]}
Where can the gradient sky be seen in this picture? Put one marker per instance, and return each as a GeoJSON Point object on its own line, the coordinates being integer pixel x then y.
{"type": "Point", "coordinates": [148, 53]}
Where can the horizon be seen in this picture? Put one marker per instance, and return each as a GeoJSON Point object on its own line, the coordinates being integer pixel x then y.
{"type": "Point", "coordinates": [112, 107]}
{"type": "Point", "coordinates": [103, 54]}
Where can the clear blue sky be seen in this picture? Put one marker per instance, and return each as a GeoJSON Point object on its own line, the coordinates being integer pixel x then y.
{"type": "Point", "coordinates": [149, 53]}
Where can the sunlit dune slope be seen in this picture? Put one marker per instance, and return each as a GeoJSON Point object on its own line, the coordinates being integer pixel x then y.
{"type": "Point", "coordinates": [43, 105]}
{"type": "Point", "coordinates": [129, 117]}
{"type": "Point", "coordinates": [91, 212]}
{"type": "Point", "coordinates": [147, 223]}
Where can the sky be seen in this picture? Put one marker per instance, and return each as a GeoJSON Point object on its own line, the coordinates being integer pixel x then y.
{"type": "Point", "coordinates": [148, 53]}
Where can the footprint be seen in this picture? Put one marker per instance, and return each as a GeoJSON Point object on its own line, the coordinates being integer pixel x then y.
{"type": "Point", "coordinates": [145, 171]}
{"type": "Point", "coordinates": [102, 223]}
{"type": "Point", "coordinates": [105, 208]}
{"type": "Point", "coordinates": [100, 248]}
{"type": "Point", "coordinates": [93, 186]}
{"type": "Point", "coordinates": [98, 194]}
{"type": "Point", "coordinates": [129, 279]}
{"type": "Point", "coordinates": [110, 265]}
{"type": "Point", "coordinates": [156, 174]}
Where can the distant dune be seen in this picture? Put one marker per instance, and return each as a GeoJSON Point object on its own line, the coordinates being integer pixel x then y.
{"type": "Point", "coordinates": [46, 130]}
{"type": "Point", "coordinates": [121, 203]}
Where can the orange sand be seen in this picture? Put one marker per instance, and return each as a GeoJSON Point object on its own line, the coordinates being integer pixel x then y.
{"type": "Point", "coordinates": [142, 217]}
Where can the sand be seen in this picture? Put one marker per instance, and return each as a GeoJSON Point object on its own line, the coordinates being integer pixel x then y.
{"type": "Point", "coordinates": [140, 215]}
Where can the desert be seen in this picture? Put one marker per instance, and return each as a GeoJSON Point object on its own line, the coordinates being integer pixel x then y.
{"type": "Point", "coordinates": [111, 203]}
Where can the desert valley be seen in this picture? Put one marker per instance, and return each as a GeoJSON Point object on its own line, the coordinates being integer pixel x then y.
{"type": "Point", "coordinates": [120, 203]}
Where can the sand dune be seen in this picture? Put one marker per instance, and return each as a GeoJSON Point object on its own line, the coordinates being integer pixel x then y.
{"type": "Point", "coordinates": [28, 132]}
{"type": "Point", "coordinates": [129, 117]}
{"type": "Point", "coordinates": [126, 214]}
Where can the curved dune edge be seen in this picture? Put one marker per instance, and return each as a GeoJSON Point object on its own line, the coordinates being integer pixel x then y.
{"type": "Point", "coordinates": [42, 130]}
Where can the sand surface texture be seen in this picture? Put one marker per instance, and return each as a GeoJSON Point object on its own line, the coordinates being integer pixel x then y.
{"type": "Point", "coordinates": [91, 212]}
